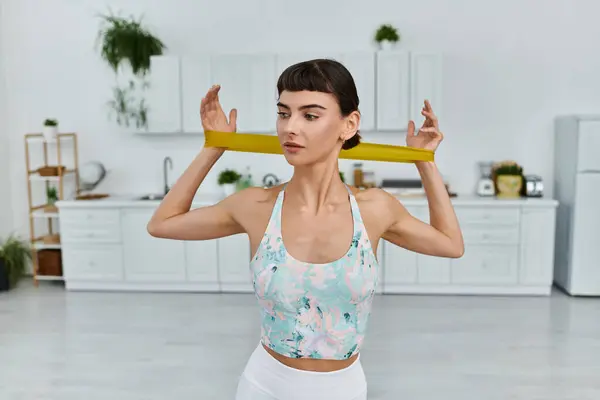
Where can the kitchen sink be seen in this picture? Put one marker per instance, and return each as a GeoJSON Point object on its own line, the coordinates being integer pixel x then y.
{"type": "Point", "coordinates": [155, 196]}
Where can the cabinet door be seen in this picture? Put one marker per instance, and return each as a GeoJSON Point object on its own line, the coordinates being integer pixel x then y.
{"type": "Point", "coordinates": [487, 265]}
{"type": "Point", "coordinates": [362, 67]}
{"type": "Point", "coordinates": [431, 270]}
{"type": "Point", "coordinates": [195, 82]}
{"type": "Point", "coordinates": [202, 263]}
{"type": "Point", "coordinates": [234, 263]}
{"type": "Point", "coordinates": [393, 100]}
{"type": "Point", "coordinates": [537, 246]}
{"type": "Point", "coordinates": [425, 84]}
{"type": "Point", "coordinates": [146, 258]}
{"type": "Point", "coordinates": [163, 96]}
{"type": "Point", "coordinates": [248, 83]}
{"type": "Point", "coordinates": [400, 267]}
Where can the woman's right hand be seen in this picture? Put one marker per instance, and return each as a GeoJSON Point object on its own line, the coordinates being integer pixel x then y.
{"type": "Point", "coordinates": [212, 115]}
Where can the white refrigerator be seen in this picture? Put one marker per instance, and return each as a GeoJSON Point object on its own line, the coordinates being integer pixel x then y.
{"type": "Point", "coordinates": [577, 188]}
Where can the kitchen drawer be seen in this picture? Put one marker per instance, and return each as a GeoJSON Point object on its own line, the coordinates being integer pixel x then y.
{"type": "Point", "coordinates": [97, 262]}
{"type": "Point", "coordinates": [486, 265]}
{"type": "Point", "coordinates": [90, 225]}
{"type": "Point", "coordinates": [488, 215]}
{"type": "Point", "coordinates": [88, 217]}
{"type": "Point", "coordinates": [499, 234]}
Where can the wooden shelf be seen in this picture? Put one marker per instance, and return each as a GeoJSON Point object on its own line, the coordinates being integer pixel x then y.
{"type": "Point", "coordinates": [37, 212]}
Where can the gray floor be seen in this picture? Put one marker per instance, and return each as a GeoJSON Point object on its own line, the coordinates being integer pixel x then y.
{"type": "Point", "coordinates": [64, 345]}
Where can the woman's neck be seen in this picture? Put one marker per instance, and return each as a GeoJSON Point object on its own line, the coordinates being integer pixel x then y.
{"type": "Point", "coordinates": [316, 185]}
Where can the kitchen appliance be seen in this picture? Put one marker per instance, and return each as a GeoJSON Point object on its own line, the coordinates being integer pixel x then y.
{"type": "Point", "coordinates": [485, 185]}
{"type": "Point", "coordinates": [270, 180]}
{"type": "Point", "coordinates": [533, 186]}
{"type": "Point", "coordinates": [577, 189]}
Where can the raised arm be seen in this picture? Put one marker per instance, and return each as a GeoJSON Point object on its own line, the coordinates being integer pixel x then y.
{"type": "Point", "coordinates": [173, 218]}
{"type": "Point", "coordinates": [442, 236]}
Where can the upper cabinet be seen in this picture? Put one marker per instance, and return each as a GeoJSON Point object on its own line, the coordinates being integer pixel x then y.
{"type": "Point", "coordinates": [393, 90]}
{"type": "Point", "coordinates": [195, 81]}
{"type": "Point", "coordinates": [162, 96]}
{"type": "Point", "coordinates": [391, 85]}
{"type": "Point", "coordinates": [425, 83]}
{"type": "Point", "coordinates": [248, 85]}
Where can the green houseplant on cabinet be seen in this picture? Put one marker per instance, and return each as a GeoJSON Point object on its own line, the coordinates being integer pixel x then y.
{"type": "Point", "coordinates": [127, 43]}
{"type": "Point", "coordinates": [228, 179]}
{"type": "Point", "coordinates": [386, 36]}
{"type": "Point", "coordinates": [14, 255]}
{"type": "Point", "coordinates": [508, 179]}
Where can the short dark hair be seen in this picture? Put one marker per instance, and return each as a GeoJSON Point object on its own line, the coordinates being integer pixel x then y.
{"type": "Point", "coordinates": [326, 76]}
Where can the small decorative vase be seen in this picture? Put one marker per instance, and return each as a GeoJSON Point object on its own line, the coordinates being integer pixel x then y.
{"type": "Point", "coordinates": [229, 189]}
{"type": "Point", "coordinates": [509, 186]}
{"type": "Point", "coordinates": [50, 133]}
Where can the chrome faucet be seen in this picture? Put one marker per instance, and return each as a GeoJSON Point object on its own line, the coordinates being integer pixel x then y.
{"type": "Point", "coordinates": [166, 161]}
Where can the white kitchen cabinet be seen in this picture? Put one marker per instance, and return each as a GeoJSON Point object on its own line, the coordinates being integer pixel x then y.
{"type": "Point", "coordinates": [248, 83]}
{"type": "Point", "coordinates": [509, 249]}
{"type": "Point", "coordinates": [537, 231]}
{"type": "Point", "coordinates": [195, 81]}
{"type": "Point", "coordinates": [163, 95]}
{"type": "Point", "coordinates": [234, 264]}
{"type": "Point", "coordinates": [362, 67]}
{"type": "Point", "coordinates": [425, 84]}
{"type": "Point", "coordinates": [391, 85]}
{"type": "Point", "coordinates": [146, 258]}
{"type": "Point", "coordinates": [202, 264]}
{"type": "Point", "coordinates": [393, 90]}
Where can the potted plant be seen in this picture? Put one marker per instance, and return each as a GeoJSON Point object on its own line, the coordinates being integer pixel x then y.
{"type": "Point", "coordinates": [508, 179]}
{"type": "Point", "coordinates": [14, 255]}
{"type": "Point", "coordinates": [228, 179]}
{"type": "Point", "coordinates": [126, 42]}
{"type": "Point", "coordinates": [50, 129]}
{"type": "Point", "coordinates": [386, 36]}
{"type": "Point", "coordinates": [52, 197]}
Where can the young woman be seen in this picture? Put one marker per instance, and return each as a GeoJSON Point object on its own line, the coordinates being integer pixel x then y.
{"type": "Point", "coordinates": [313, 239]}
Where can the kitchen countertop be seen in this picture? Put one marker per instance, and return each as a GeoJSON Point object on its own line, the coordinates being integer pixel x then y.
{"type": "Point", "coordinates": [201, 199]}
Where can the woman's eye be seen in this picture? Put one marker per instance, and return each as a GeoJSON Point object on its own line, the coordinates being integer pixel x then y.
{"type": "Point", "coordinates": [311, 117]}
{"type": "Point", "coordinates": [282, 114]}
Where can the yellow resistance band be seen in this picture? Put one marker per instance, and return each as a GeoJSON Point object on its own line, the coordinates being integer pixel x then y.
{"type": "Point", "coordinates": [269, 144]}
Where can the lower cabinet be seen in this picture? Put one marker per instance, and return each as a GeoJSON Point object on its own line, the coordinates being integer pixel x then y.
{"type": "Point", "coordinates": [131, 259]}
{"type": "Point", "coordinates": [508, 250]}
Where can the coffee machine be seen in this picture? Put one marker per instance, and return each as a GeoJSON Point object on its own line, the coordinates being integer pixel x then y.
{"type": "Point", "coordinates": [485, 185]}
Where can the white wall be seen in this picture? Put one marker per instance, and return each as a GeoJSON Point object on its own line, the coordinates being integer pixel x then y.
{"type": "Point", "coordinates": [509, 68]}
{"type": "Point", "coordinates": [6, 221]}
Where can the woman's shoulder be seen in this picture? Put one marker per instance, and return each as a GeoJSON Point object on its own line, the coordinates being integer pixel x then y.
{"type": "Point", "coordinates": [375, 201]}
{"type": "Point", "coordinates": [371, 195]}
{"type": "Point", "coordinates": [255, 195]}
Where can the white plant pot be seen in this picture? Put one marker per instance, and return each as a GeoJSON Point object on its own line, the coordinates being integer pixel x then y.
{"type": "Point", "coordinates": [50, 133]}
{"type": "Point", "coordinates": [387, 45]}
{"type": "Point", "coordinates": [229, 189]}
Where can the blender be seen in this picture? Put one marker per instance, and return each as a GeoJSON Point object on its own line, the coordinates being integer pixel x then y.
{"type": "Point", "coordinates": [485, 185]}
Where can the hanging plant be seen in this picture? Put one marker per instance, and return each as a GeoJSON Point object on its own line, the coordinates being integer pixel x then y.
{"type": "Point", "coordinates": [125, 42]}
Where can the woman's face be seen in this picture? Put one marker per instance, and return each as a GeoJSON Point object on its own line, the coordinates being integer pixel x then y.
{"type": "Point", "coordinates": [310, 126]}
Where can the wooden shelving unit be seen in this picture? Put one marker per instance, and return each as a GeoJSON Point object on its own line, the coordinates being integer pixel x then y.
{"type": "Point", "coordinates": [47, 245]}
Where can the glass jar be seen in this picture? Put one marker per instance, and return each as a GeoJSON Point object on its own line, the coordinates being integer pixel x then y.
{"type": "Point", "coordinates": [358, 175]}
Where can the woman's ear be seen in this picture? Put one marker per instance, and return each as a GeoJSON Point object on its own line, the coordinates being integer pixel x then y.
{"type": "Point", "coordinates": [352, 125]}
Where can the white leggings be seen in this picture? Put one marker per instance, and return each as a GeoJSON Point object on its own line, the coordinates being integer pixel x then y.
{"type": "Point", "coordinates": [266, 378]}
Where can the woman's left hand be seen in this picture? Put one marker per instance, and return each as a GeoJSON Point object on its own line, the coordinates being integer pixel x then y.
{"type": "Point", "coordinates": [429, 136]}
